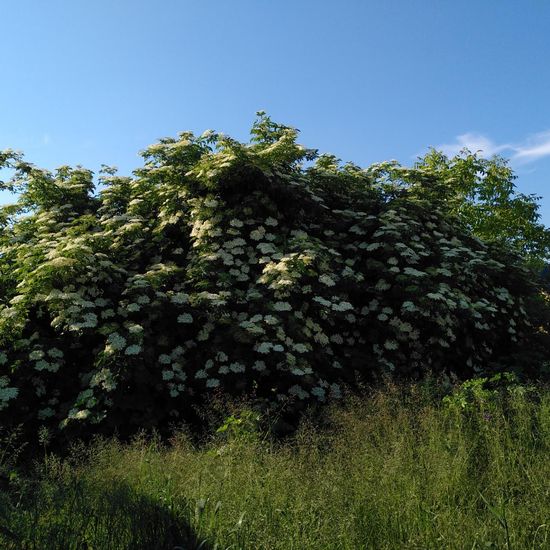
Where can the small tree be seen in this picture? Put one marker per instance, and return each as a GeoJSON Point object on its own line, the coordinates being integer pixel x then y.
{"type": "Point", "coordinates": [482, 194]}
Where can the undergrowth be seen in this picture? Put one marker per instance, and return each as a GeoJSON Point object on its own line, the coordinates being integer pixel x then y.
{"type": "Point", "coordinates": [399, 469]}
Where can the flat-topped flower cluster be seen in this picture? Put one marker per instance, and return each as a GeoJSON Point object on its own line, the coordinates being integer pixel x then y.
{"type": "Point", "coordinates": [221, 266]}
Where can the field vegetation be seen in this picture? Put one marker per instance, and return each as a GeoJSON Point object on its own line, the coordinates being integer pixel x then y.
{"type": "Point", "coordinates": [399, 469]}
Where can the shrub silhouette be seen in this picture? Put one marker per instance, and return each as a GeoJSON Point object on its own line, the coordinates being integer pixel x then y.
{"type": "Point", "coordinates": [222, 266]}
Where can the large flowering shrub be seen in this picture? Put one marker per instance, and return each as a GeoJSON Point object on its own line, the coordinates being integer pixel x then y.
{"type": "Point", "coordinates": [222, 266]}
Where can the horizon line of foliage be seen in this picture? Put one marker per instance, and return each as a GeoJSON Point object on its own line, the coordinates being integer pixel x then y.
{"type": "Point", "coordinates": [249, 268]}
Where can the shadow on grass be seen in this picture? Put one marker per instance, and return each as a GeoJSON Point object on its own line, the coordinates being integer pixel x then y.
{"type": "Point", "coordinates": [74, 516]}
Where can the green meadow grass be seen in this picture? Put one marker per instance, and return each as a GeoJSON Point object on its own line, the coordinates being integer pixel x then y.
{"type": "Point", "coordinates": [399, 469]}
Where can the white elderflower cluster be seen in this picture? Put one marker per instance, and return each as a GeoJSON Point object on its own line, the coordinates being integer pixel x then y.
{"type": "Point", "coordinates": [185, 318]}
{"type": "Point", "coordinates": [342, 306]}
{"type": "Point", "coordinates": [36, 354]}
{"type": "Point", "coordinates": [264, 347]}
{"type": "Point", "coordinates": [237, 367]}
{"type": "Point", "coordinates": [260, 366]}
{"type": "Point", "coordinates": [134, 349]}
{"type": "Point", "coordinates": [301, 348]}
{"type": "Point", "coordinates": [45, 365]}
{"type": "Point", "coordinates": [7, 393]}
{"type": "Point", "coordinates": [414, 272]}
{"type": "Point", "coordinates": [258, 233]}
{"type": "Point", "coordinates": [282, 306]}
{"type": "Point", "coordinates": [104, 379]}
{"type": "Point", "coordinates": [251, 327]}
{"type": "Point", "coordinates": [266, 248]}
{"type": "Point", "coordinates": [319, 393]}
{"type": "Point", "coordinates": [298, 392]}
{"type": "Point", "coordinates": [326, 280]}
{"type": "Point", "coordinates": [116, 341]}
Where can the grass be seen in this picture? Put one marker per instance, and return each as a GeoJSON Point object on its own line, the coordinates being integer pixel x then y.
{"type": "Point", "coordinates": [400, 469]}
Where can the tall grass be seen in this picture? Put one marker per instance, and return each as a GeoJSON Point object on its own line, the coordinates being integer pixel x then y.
{"type": "Point", "coordinates": [397, 470]}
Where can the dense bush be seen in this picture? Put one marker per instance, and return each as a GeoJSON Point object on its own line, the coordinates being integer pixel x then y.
{"type": "Point", "coordinates": [222, 266]}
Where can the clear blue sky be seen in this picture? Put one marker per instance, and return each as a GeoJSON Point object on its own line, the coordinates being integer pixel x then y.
{"type": "Point", "coordinates": [92, 82]}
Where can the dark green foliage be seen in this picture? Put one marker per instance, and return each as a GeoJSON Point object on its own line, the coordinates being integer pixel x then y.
{"type": "Point", "coordinates": [228, 267]}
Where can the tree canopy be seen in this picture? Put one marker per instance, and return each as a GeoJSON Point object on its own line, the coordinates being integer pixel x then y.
{"type": "Point", "coordinates": [482, 193]}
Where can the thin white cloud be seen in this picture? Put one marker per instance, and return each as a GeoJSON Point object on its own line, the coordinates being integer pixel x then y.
{"type": "Point", "coordinates": [536, 147]}
{"type": "Point", "coordinates": [531, 149]}
{"type": "Point", "coordinates": [474, 142]}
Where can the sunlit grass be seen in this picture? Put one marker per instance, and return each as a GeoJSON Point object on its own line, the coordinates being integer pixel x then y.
{"type": "Point", "coordinates": [397, 470]}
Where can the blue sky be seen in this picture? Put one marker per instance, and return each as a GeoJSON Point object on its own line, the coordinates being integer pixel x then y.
{"type": "Point", "coordinates": [95, 82]}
